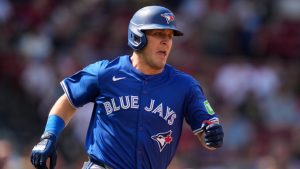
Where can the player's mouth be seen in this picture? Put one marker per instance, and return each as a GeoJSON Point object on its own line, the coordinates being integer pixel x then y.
{"type": "Point", "coordinates": [162, 53]}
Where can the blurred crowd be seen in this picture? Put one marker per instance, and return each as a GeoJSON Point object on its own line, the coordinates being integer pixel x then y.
{"type": "Point", "coordinates": [245, 54]}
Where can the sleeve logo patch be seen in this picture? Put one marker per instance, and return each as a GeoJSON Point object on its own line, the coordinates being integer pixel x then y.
{"type": "Point", "coordinates": [208, 108]}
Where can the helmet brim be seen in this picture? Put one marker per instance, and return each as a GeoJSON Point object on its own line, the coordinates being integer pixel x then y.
{"type": "Point", "coordinates": [156, 26]}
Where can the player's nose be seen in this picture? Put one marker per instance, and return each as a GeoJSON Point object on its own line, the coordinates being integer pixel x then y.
{"type": "Point", "coordinates": [165, 41]}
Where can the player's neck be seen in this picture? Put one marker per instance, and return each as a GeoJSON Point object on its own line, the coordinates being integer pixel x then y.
{"type": "Point", "coordinates": [139, 63]}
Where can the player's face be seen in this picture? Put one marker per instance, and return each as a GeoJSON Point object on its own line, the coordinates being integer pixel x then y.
{"type": "Point", "coordinates": [157, 50]}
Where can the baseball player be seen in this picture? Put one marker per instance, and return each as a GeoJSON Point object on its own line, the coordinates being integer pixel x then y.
{"type": "Point", "coordinates": [140, 103]}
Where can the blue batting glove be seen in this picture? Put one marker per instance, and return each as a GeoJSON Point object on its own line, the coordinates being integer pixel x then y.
{"type": "Point", "coordinates": [43, 150]}
{"type": "Point", "coordinates": [213, 135]}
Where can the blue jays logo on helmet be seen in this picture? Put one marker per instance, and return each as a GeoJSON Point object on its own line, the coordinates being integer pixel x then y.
{"type": "Point", "coordinates": [163, 139]}
{"type": "Point", "coordinates": [147, 18]}
{"type": "Point", "coordinates": [168, 16]}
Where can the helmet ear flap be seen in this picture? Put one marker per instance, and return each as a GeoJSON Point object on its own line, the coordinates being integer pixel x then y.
{"type": "Point", "coordinates": [136, 39]}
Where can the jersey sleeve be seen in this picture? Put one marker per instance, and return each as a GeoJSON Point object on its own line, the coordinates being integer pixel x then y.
{"type": "Point", "coordinates": [83, 86]}
{"type": "Point", "coordinates": [198, 109]}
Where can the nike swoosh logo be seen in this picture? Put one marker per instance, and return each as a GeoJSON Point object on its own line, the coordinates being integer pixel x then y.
{"type": "Point", "coordinates": [114, 78]}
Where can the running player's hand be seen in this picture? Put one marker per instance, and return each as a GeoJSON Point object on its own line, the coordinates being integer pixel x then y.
{"type": "Point", "coordinates": [44, 149]}
{"type": "Point", "coordinates": [213, 135]}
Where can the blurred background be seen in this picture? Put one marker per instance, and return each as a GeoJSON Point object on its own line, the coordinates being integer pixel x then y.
{"type": "Point", "coordinates": [245, 54]}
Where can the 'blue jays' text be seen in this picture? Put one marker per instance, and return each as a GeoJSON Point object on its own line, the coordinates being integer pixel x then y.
{"type": "Point", "coordinates": [132, 102]}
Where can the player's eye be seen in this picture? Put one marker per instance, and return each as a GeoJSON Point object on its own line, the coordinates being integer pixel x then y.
{"type": "Point", "coordinates": [162, 35]}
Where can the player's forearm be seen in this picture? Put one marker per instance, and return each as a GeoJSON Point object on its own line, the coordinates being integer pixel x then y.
{"type": "Point", "coordinates": [63, 109]}
{"type": "Point", "coordinates": [59, 116]}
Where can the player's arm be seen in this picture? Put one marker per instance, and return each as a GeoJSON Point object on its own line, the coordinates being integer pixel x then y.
{"type": "Point", "coordinates": [202, 118]}
{"type": "Point", "coordinates": [60, 115]}
{"type": "Point", "coordinates": [63, 109]}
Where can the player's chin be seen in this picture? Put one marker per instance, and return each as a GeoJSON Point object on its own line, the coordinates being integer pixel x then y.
{"type": "Point", "coordinates": [159, 65]}
{"type": "Point", "coordinates": [161, 60]}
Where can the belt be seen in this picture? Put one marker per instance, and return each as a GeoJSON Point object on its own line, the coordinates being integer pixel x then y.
{"type": "Point", "coordinates": [98, 163]}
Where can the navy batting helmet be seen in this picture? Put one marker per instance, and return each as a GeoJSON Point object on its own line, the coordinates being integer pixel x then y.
{"type": "Point", "coordinates": [150, 17]}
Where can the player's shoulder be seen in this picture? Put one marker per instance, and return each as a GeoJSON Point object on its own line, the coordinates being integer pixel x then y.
{"type": "Point", "coordinates": [106, 64]}
{"type": "Point", "coordinates": [181, 77]}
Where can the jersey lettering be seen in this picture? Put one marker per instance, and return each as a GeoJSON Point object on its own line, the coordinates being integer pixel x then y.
{"type": "Point", "coordinates": [126, 102]}
{"type": "Point", "coordinates": [134, 102]}
{"type": "Point", "coordinates": [159, 110]}
{"type": "Point", "coordinates": [108, 107]}
{"type": "Point", "coordinates": [171, 121]}
{"type": "Point", "coordinates": [169, 116]}
{"type": "Point", "coordinates": [116, 108]}
{"type": "Point", "coordinates": [150, 106]}
{"type": "Point", "coordinates": [112, 105]}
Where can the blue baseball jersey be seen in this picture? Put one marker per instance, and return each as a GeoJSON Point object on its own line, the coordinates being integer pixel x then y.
{"type": "Point", "coordinates": [137, 119]}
